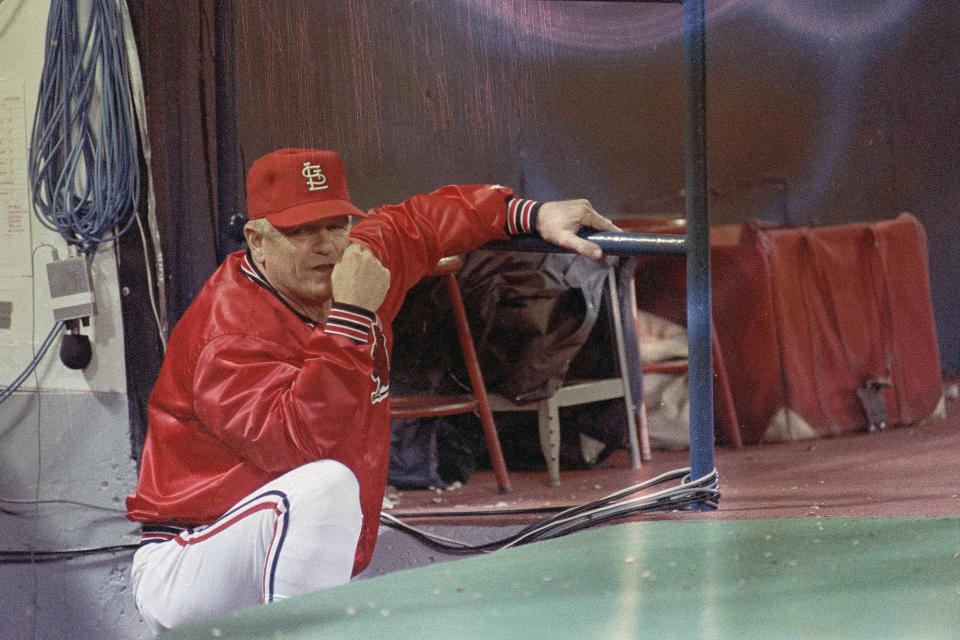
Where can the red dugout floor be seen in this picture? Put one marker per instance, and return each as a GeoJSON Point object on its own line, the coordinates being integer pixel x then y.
{"type": "Point", "coordinates": [902, 471]}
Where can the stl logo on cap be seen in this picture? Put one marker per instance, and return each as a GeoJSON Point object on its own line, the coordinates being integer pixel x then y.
{"type": "Point", "coordinates": [291, 187]}
{"type": "Point", "coordinates": [316, 181]}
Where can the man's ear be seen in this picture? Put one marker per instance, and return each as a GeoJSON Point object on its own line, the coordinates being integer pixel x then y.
{"type": "Point", "coordinates": [254, 241]}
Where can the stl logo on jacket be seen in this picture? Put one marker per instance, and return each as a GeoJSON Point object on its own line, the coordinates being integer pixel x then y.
{"type": "Point", "coordinates": [381, 364]}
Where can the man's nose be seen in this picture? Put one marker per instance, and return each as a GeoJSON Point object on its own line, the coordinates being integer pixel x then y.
{"type": "Point", "coordinates": [323, 242]}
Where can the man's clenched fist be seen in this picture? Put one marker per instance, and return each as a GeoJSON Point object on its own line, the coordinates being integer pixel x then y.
{"type": "Point", "coordinates": [359, 279]}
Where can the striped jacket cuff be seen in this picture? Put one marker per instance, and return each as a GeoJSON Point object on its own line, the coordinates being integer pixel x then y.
{"type": "Point", "coordinates": [522, 216]}
{"type": "Point", "coordinates": [350, 321]}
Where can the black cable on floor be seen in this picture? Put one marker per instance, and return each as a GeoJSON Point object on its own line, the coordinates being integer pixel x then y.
{"type": "Point", "coordinates": [615, 506]}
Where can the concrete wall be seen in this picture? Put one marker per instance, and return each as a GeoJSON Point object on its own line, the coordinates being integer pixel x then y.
{"type": "Point", "coordinates": [65, 464]}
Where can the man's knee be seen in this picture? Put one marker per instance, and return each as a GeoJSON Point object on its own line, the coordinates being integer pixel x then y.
{"type": "Point", "coordinates": [331, 476]}
{"type": "Point", "coordinates": [327, 485]}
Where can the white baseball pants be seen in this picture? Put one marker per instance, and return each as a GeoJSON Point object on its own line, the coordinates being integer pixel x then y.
{"type": "Point", "coordinates": [294, 535]}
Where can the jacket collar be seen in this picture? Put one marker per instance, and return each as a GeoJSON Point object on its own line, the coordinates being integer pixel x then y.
{"type": "Point", "coordinates": [250, 269]}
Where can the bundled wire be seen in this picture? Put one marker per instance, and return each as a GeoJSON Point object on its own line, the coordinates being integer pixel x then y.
{"type": "Point", "coordinates": [84, 168]}
{"type": "Point", "coordinates": [615, 506]}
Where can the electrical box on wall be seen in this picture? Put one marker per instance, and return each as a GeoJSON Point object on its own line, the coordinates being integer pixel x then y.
{"type": "Point", "coordinates": [71, 289]}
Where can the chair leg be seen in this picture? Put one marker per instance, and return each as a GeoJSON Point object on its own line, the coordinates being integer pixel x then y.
{"type": "Point", "coordinates": [476, 383]}
{"type": "Point", "coordinates": [624, 365]}
{"type": "Point", "coordinates": [626, 281]}
{"type": "Point", "coordinates": [548, 421]}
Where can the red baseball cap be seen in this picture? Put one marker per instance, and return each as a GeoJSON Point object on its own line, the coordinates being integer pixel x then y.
{"type": "Point", "coordinates": [291, 187]}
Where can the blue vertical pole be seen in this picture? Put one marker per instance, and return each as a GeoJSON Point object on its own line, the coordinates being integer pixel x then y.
{"type": "Point", "coordinates": [698, 239]}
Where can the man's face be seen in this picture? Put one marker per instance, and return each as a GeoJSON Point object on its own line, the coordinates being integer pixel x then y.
{"type": "Point", "coordinates": [298, 261]}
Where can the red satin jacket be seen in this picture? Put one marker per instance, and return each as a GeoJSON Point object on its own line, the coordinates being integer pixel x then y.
{"type": "Point", "coordinates": [249, 389]}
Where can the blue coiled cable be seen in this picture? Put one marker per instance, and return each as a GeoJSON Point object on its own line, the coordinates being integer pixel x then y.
{"type": "Point", "coordinates": [84, 166]}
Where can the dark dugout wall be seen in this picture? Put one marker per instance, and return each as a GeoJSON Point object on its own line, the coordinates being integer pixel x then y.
{"type": "Point", "coordinates": [818, 113]}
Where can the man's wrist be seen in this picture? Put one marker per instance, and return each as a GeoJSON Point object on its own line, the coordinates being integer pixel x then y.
{"type": "Point", "coordinates": [522, 215]}
{"type": "Point", "coordinates": [350, 321]}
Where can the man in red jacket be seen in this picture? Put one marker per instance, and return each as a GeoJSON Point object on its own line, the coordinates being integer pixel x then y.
{"type": "Point", "coordinates": [266, 456]}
